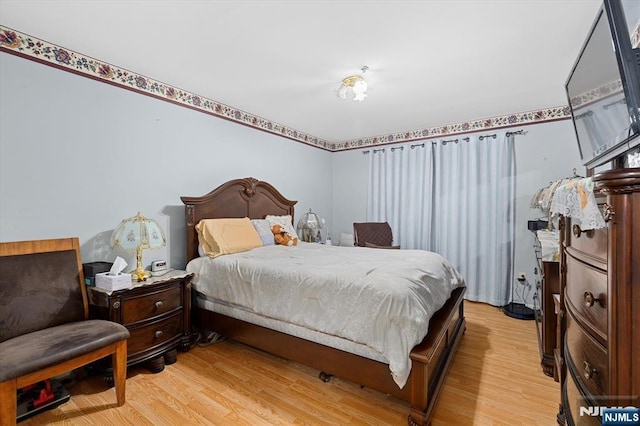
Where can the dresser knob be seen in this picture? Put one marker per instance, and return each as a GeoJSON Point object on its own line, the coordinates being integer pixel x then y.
{"type": "Point", "coordinates": [158, 304]}
{"type": "Point", "coordinates": [576, 231]}
{"type": "Point", "coordinates": [588, 371]}
{"type": "Point", "coordinates": [589, 299]}
{"type": "Point", "coordinates": [158, 334]}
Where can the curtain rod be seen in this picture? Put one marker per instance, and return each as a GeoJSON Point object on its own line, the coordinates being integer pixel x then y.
{"type": "Point", "coordinates": [375, 150]}
{"type": "Point", "coordinates": [454, 140]}
{"type": "Point", "coordinates": [483, 137]}
{"type": "Point", "coordinates": [444, 142]}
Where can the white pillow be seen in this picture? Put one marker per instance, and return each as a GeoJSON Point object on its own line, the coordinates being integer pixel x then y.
{"type": "Point", "coordinates": [346, 240]}
{"type": "Point", "coordinates": [264, 230]}
{"type": "Point", "coordinates": [285, 222]}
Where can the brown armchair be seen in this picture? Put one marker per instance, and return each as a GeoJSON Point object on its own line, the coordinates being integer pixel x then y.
{"type": "Point", "coordinates": [373, 234]}
{"type": "Point", "coordinates": [44, 325]}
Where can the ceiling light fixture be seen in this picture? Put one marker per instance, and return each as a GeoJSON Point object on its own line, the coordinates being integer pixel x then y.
{"type": "Point", "coordinates": [354, 85]}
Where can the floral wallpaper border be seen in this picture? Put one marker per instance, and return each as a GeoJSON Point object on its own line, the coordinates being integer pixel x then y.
{"type": "Point", "coordinates": [29, 47]}
{"type": "Point", "coordinates": [597, 94]}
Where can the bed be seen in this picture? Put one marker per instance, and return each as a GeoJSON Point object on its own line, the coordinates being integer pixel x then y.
{"type": "Point", "coordinates": [429, 359]}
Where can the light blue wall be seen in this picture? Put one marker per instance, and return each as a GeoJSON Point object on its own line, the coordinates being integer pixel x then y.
{"type": "Point", "coordinates": [77, 156]}
{"type": "Point", "coordinates": [547, 152]}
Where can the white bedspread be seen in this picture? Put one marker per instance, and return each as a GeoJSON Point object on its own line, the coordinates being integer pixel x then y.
{"type": "Point", "coordinates": [381, 298]}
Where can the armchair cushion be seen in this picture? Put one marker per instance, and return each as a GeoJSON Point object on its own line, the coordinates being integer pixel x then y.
{"type": "Point", "coordinates": [43, 348]}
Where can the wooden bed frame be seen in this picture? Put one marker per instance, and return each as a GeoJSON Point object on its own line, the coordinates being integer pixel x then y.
{"type": "Point", "coordinates": [431, 358]}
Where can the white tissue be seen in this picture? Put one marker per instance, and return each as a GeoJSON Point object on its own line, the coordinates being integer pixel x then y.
{"type": "Point", "coordinates": [118, 266]}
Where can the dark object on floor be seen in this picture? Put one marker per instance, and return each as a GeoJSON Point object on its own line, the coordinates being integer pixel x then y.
{"type": "Point", "coordinates": [39, 397]}
{"type": "Point", "coordinates": [210, 337]}
{"type": "Point", "coordinates": [518, 311]}
{"type": "Point", "coordinates": [194, 339]}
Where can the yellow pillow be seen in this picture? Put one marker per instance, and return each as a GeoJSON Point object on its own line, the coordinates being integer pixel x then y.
{"type": "Point", "coordinates": [226, 236]}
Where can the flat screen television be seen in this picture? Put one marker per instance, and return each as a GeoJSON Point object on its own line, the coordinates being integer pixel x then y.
{"type": "Point", "coordinates": [603, 88]}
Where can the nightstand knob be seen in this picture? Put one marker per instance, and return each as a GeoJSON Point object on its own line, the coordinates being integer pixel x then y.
{"type": "Point", "coordinates": [589, 299]}
{"type": "Point", "coordinates": [158, 304]}
{"type": "Point", "coordinates": [589, 371]}
{"type": "Point", "coordinates": [158, 334]}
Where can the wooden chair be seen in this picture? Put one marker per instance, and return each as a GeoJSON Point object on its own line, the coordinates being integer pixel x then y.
{"type": "Point", "coordinates": [373, 234]}
{"type": "Point", "coordinates": [44, 325]}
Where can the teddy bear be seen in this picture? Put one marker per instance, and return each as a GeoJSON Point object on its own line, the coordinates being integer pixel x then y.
{"type": "Point", "coordinates": [282, 237]}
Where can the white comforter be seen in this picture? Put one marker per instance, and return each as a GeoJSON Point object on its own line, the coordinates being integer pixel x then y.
{"type": "Point", "coordinates": [380, 298]}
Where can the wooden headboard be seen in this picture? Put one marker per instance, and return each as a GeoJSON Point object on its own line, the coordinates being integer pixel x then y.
{"type": "Point", "coordinates": [246, 197]}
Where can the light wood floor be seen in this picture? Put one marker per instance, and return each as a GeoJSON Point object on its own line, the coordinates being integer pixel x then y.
{"type": "Point", "coordinates": [495, 379]}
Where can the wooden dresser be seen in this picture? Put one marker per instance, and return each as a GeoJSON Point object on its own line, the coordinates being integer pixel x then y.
{"type": "Point", "coordinates": [600, 278]}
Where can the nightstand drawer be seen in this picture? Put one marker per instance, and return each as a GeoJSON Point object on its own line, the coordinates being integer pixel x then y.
{"type": "Point", "coordinates": [150, 305]}
{"type": "Point", "coordinates": [586, 293]}
{"type": "Point", "coordinates": [589, 357]}
{"type": "Point", "coordinates": [153, 335]}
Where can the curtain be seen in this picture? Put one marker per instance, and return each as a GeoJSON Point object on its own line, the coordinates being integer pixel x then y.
{"type": "Point", "coordinates": [400, 179]}
{"type": "Point", "coordinates": [456, 199]}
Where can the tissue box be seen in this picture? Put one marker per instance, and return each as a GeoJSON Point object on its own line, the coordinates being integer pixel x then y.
{"type": "Point", "coordinates": [113, 282]}
{"type": "Point", "coordinates": [92, 268]}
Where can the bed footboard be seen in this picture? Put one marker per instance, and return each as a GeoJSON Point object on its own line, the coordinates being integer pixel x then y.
{"type": "Point", "coordinates": [430, 359]}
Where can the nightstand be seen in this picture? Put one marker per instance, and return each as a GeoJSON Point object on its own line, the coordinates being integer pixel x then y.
{"type": "Point", "coordinates": [157, 313]}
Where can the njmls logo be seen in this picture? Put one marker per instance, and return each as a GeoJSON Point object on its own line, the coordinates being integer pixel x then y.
{"type": "Point", "coordinates": [599, 411]}
{"type": "Point", "coordinates": [614, 416]}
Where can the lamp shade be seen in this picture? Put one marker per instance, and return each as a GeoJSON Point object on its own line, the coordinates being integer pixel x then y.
{"type": "Point", "coordinates": [137, 233]}
{"type": "Point", "coordinates": [310, 228]}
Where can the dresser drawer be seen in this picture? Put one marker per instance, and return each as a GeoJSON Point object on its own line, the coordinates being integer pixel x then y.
{"type": "Point", "coordinates": [578, 410]}
{"type": "Point", "coordinates": [586, 296]}
{"type": "Point", "coordinates": [590, 245]}
{"type": "Point", "coordinates": [150, 305]}
{"type": "Point", "coordinates": [155, 334]}
{"type": "Point", "coordinates": [589, 358]}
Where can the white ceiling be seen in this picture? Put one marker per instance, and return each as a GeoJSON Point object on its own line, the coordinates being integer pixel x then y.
{"type": "Point", "coordinates": [430, 63]}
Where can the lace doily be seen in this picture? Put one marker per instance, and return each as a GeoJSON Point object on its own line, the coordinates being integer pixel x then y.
{"type": "Point", "coordinates": [575, 199]}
